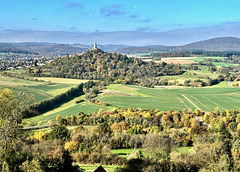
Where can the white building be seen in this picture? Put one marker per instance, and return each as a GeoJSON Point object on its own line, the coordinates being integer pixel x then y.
{"type": "Point", "coordinates": [94, 46]}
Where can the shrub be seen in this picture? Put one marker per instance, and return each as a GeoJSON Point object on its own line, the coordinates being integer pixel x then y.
{"type": "Point", "coordinates": [232, 126]}
{"type": "Point", "coordinates": [33, 165]}
{"type": "Point", "coordinates": [78, 129]}
{"type": "Point", "coordinates": [80, 101]}
{"type": "Point", "coordinates": [58, 132]}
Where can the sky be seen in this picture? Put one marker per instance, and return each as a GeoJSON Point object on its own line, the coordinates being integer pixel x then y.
{"type": "Point", "coordinates": [159, 21]}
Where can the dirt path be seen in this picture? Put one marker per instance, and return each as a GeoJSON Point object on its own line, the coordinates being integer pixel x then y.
{"type": "Point", "coordinates": [201, 103]}
{"type": "Point", "coordinates": [183, 102]}
{"type": "Point", "coordinates": [191, 102]}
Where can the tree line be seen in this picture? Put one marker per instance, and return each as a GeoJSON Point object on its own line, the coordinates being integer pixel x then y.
{"type": "Point", "coordinates": [196, 53]}
{"type": "Point", "coordinates": [43, 106]}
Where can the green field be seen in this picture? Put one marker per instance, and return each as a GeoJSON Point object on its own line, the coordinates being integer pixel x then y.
{"type": "Point", "coordinates": [171, 98]}
{"type": "Point", "coordinates": [32, 88]}
{"type": "Point", "coordinates": [39, 90]}
{"type": "Point", "coordinates": [206, 98]}
{"type": "Point", "coordinates": [214, 63]}
{"type": "Point", "coordinates": [185, 150]}
{"type": "Point", "coordinates": [127, 152]}
{"type": "Point", "coordinates": [190, 60]}
{"type": "Point", "coordinates": [68, 109]}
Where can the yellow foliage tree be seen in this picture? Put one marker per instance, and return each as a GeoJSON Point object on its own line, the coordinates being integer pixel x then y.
{"type": "Point", "coordinates": [39, 136]}
{"type": "Point", "coordinates": [71, 146]}
{"type": "Point", "coordinates": [121, 126]}
{"type": "Point", "coordinates": [147, 115]}
{"type": "Point", "coordinates": [238, 126]}
{"type": "Point", "coordinates": [58, 118]}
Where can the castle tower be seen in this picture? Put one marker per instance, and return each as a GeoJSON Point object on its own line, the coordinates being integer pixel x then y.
{"type": "Point", "coordinates": [94, 46]}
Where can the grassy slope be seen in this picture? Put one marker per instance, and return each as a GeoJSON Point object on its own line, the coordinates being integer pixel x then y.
{"type": "Point", "coordinates": [39, 90]}
{"type": "Point", "coordinates": [127, 152]}
{"type": "Point", "coordinates": [68, 109]}
{"type": "Point", "coordinates": [29, 87]}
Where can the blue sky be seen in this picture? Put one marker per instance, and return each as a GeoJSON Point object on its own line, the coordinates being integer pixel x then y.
{"type": "Point", "coordinates": [98, 16]}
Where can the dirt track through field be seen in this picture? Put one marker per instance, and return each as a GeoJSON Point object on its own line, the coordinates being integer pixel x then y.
{"type": "Point", "coordinates": [200, 103]}
{"type": "Point", "coordinates": [217, 105]}
{"type": "Point", "coordinates": [191, 102]}
{"type": "Point", "coordinates": [183, 102]}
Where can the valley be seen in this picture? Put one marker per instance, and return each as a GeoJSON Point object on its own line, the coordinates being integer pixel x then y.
{"type": "Point", "coordinates": [119, 86]}
{"type": "Point", "coordinates": [109, 109]}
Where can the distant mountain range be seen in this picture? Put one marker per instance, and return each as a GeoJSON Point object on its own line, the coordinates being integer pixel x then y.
{"type": "Point", "coordinates": [215, 44]}
{"type": "Point", "coordinates": [52, 49]}
{"type": "Point", "coordinates": [40, 48]}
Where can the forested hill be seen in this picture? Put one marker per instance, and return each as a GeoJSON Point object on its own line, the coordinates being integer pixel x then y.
{"type": "Point", "coordinates": [215, 44]}
{"type": "Point", "coordinates": [111, 67]}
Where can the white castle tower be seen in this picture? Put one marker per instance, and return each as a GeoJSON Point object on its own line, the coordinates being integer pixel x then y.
{"type": "Point", "coordinates": [94, 46]}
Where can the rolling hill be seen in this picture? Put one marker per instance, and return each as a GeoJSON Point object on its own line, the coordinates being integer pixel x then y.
{"type": "Point", "coordinates": [215, 44]}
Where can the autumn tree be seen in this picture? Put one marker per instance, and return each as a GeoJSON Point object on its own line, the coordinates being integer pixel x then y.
{"type": "Point", "coordinates": [12, 107]}
{"type": "Point", "coordinates": [136, 129]}
{"type": "Point", "coordinates": [158, 147]}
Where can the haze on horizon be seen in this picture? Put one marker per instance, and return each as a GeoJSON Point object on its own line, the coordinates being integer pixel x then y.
{"type": "Point", "coordinates": [135, 22]}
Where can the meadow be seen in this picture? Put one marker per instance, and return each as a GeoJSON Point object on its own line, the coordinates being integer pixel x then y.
{"type": "Point", "coordinates": [68, 109]}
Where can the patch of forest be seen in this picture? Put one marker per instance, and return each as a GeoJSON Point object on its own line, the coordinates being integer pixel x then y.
{"type": "Point", "coordinates": [197, 53]}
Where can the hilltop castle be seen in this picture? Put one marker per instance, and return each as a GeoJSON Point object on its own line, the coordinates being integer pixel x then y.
{"type": "Point", "coordinates": [94, 46]}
